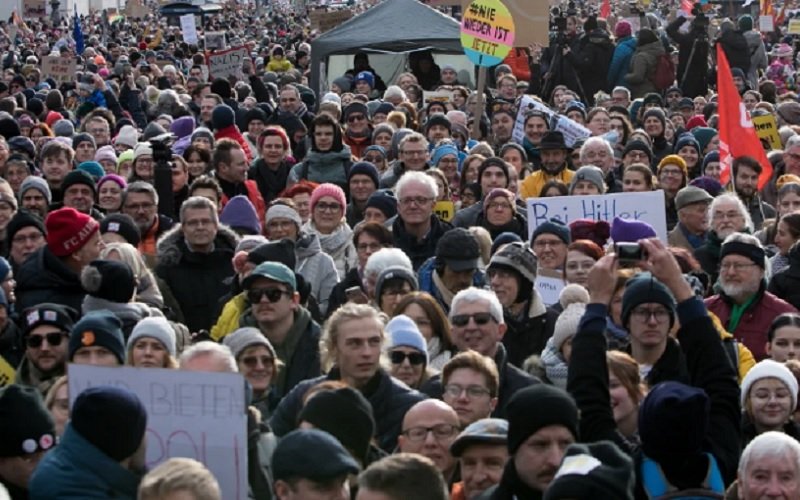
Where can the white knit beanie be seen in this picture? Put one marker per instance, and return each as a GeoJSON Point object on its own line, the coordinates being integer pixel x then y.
{"type": "Point", "coordinates": [770, 369]}
{"type": "Point", "coordinates": [155, 327]}
{"type": "Point", "coordinates": [573, 299]}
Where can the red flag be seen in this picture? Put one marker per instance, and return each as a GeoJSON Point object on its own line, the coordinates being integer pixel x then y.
{"type": "Point", "coordinates": [737, 136]}
{"type": "Point", "coordinates": [605, 9]}
{"type": "Point", "coordinates": [687, 6]}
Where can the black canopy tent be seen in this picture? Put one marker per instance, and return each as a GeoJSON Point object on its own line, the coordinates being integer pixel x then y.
{"type": "Point", "coordinates": [394, 27]}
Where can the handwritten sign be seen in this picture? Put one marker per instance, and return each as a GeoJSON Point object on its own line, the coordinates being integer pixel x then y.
{"type": "Point", "coordinates": [766, 24]}
{"type": "Point", "coordinates": [60, 69]}
{"type": "Point", "coordinates": [767, 130]}
{"type": "Point", "coordinates": [648, 207]}
{"type": "Point", "coordinates": [189, 414]}
{"type": "Point", "coordinates": [227, 63]}
{"type": "Point", "coordinates": [443, 96]}
{"type": "Point", "coordinates": [215, 40]}
{"type": "Point", "coordinates": [445, 210]}
{"type": "Point", "coordinates": [572, 130]}
{"type": "Point", "coordinates": [794, 27]}
{"type": "Point", "coordinates": [532, 14]}
{"type": "Point", "coordinates": [189, 29]}
{"type": "Point", "coordinates": [33, 8]}
{"type": "Point", "coordinates": [549, 288]}
{"type": "Point", "coordinates": [487, 32]}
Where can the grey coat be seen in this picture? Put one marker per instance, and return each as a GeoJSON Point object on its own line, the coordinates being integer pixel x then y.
{"type": "Point", "coordinates": [316, 267]}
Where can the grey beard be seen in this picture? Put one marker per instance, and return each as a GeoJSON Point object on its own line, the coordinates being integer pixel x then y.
{"type": "Point", "coordinates": [738, 290]}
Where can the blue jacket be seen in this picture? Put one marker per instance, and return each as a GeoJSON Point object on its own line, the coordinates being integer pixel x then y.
{"type": "Point", "coordinates": [621, 61]}
{"type": "Point", "coordinates": [77, 469]}
{"type": "Point", "coordinates": [426, 283]}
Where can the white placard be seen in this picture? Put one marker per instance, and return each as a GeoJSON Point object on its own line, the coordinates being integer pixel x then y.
{"type": "Point", "coordinates": [648, 207]}
{"type": "Point", "coordinates": [189, 29]}
{"type": "Point", "coordinates": [572, 130]}
{"type": "Point", "coordinates": [549, 289]}
{"type": "Point", "coordinates": [227, 62]}
{"type": "Point", "coordinates": [766, 24]}
{"type": "Point", "coordinates": [199, 415]}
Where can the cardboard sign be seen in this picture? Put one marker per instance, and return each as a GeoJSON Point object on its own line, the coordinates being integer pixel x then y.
{"type": "Point", "coordinates": [443, 96]}
{"type": "Point", "coordinates": [794, 27]}
{"type": "Point", "coordinates": [648, 207]}
{"type": "Point", "coordinates": [445, 210]}
{"type": "Point", "coordinates": [766, 24]}
{"type": "Point", "coordinates": [487, 32]}
{"type": "Point", "coordinates": [227, 63]}
{"type": "Point", "coordinates": [324, 20]}
{"type": "Point", "coordinates": [572, 130]}
{"type": "Point", "coordinates": [767, 130]}
{"type": "Point", "coordinates": [60, 69]}
{"type": "Point", "coordinates": [197, 415]}
{"type": "Point", "coordinates": [189, 29]}
{"type": "Point", "coordinates": [33, 8]}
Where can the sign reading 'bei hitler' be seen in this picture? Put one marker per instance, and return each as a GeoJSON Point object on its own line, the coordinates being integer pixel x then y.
{"type": "Point", "coordinates": [487, 32]}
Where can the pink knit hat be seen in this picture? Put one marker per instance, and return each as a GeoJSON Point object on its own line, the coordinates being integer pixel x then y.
{"type": "Point", "coordinates": [331, 190]}
{"type": "Point", "coordinates": [622, 29]}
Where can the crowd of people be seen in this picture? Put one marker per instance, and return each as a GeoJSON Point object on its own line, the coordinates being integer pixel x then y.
{"type": "Point", "coordinates": [157, 217]}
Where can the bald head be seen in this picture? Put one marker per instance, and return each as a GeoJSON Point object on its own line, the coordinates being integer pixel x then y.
{"type": "Point", "coordinates": [429, 428]}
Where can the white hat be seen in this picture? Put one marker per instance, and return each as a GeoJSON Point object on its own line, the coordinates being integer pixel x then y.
{"type": "Point", "coordinates": [574, 299]}
{"type": "Point", "coordinates": [770, 369]}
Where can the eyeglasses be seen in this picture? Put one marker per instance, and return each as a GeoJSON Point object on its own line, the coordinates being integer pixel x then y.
{"type": "Point", "coordinates": [479, 318]}
{"type": "Point", "coordinates": [195, 223]}
{"type": "Point", "coordinates": [355, 118]}
{"type": "Point", "coordinates": [473, 391]}
{"type": "Point", "coordinates": [33, 238]}
{"type": "Point", "coordinates": [253, 361]}
{"type": "Point", "coordinates": [735, 266]}
{"type": "Point", "coordinates": [273, 295]}
{"type": "Point", "coordinates": [499, 206]}
{"type": "Point", "coordinates": [440, 432]}
{"type": "Point", "coordinates": [420, 152]}
{"type": "Point", "coordinates": [415, 200]}
{"type": "Point", "coordinates": [547, 243]}
{"type": "Point", "coordinates": [727, 215]}
{"type": "Point", "coordinates": [373, 158]}
{"type": "Point", "coordinates": [415, 358]}
{"type": "Point", "coordinates": [672, 172]}
{"type": "Point", "coordinates": [644, 314]}
{"type": "Point", "coordinates": [53, 338]}
{"type": "Point", "coordinates": [327, 207]}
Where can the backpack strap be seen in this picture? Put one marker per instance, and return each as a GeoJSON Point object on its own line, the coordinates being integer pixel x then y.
{"type": "Point", "coordinates": [714, 479]}
{"type": "Point", "coordinates": [653, 480]}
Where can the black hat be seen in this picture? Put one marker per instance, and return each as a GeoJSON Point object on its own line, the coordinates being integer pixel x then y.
{"type": "Point", "coordinates": [355, 107]}
{"type": "Point", "coordinates": [222, 116]}
{"type": "Point", "coordinates": [384, 201]}
{"type": "Point", "coordinates": [552, 140]}
{"type": "Point", "coordinates": [493, 161]}
{"type": "Point", "coordinates": [673, 422]}
{"type": "Point", "coordinates": [536, 407]}
{"type": "Point", "coordinates": [257, 114]}
{"type": "Point", "coordinates": [311, 454]}
{"type": "Point", "coordinates": [57, 315]}
{"type": "Point", "coordinates": [98, 328]}
{"type": "Point", "coordinates": [652, 98]}
{"type": "Point", "coordinates": [459, 250]}
{"type": "Point", "coordinates": [27, 425]}
{"type": "Point", "coordinates": [275, 251]}
{"type": "Point", "coordinates": [685, 102]}
{"type": "Point", "coordinates": [438, 119]}
{"type": "Point", "coordinates": [84, 137]}
{"type": "Point", "coordinates": [554, 227]}
{"type": "Point", "coordinates": [78, 177]}
{"type": "Point", "coordinates": [110, 418]}
{"type": "Point", "coordinates": [748, 250]}
{"type": "Point", "coordinates": [22, 219]}
{"type": "Point", "coordinates": [111, 280]}
{"type": "Point", "coordinates": [123, 225]}
{"type": "Point", "coordinates": [637, 145]}
{"type": "Point", "coordinates": [344, 413]}
{"type": "Point", "coordinates": [596, 470]}
{"type": "Point", "coordinates": [365, 168]}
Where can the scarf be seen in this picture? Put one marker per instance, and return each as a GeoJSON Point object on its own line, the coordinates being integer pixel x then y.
{"type": "Point", "coordinates": [447, 295]}
{"type": "Point", "coordinates": [737, 311]}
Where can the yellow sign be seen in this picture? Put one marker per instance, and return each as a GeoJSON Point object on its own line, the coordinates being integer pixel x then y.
{"type": "Point", "coordinates": [487, 32]}
{"type": "Point", "coordinates": [794, 27]}
{"type": "Point", "coordinates": [445, 210]}
{"type": "Point", "coordinates": [767, 130]}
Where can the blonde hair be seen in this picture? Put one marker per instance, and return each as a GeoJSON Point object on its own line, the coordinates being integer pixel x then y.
{"type": "Point", "coordinates": [180, 475]}
{"type": "Point", "coordinates": [330, 333]}
{"type": "Point", "coordinates": [50, 399]}
{"type": "Point", "coordinates": [169, 360]}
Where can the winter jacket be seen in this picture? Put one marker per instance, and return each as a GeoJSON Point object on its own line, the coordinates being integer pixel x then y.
{"type": "Point", "coordinates": [754, 323]}
{"type": "Point", "coordinates": [232, 132]}
{"type": "Point", "coordinates": [621, 62]}
{"type": "Point", "coordinates": [785, 284]}
{"type": "Point", "coordinates": [468, 217]}
{"type": "Point", "coordinates": [338, 244]}
{"type": "Point", "coordinates": [196, 279]}
{"type": "Point", "coordinates": [419, 251]}
{"type": "Point", "coordinates": [390, 400]}
{"type": "Point", "coordinates": [592, 61]}
{"type": "Point", "coordinates": [532, 186]}
{"type": "Point", "coordinates": [77, 469]}
{"type": "Point", "coordinates": [758, 56]}
{"type": "Point", "coordinates": [677, 238]}
{"type": "Point", "coordinates": [642, 69]}
{"type": "Point", "coordinates": [696, 82]}
{"type": "Point", "coordinates": [749, 431]}
{"type": "Point", "coordinates": [29, 375]}
{"type": "Point", "coordinates": [316, 267]}
{"type": "Point", "coordinates": [270, 182]}
{"type": "Point", "coordinates": [527, 333]}
{"type": "Point", "coordinates": [427, 283]}
{"type": "Point", "coordinates": [330, 166]}
{"type": "Point", "coordinates": [43, 277]}
{"type": "Point", "coordinates": [760, 211]}
{"type": "Point", "coordinates": [736, 49]}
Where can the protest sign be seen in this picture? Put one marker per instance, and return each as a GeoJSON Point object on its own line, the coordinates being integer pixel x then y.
{"type": "Point", "coordinates": [197, 415]}
{"type": "Point", "coordinates": [487, 32]}
{"type": "Point", "coordinates": [33, 8]}
{"type": "Point", "coordinates": [647, 206]}
{"type": "Point", "coordinates": [324, 20]}
{"type": "Point", "coordinates": [572, 130]}
{"type": "Point", "coordinates": [549, 283]}
{"type": "Point", "coordinates": [767, 130]}
{"type": "Point", "coordinates": [533, 15]}
{"type": "Point", "coordinates": [215, 40]}
{"type": "Point", "coordinates": [136, 10]}
{"type": "Point", "coordinates": [189, 29]}
{"type": "Point", "coordinates": [766, 24]}
{"type": "Point", "coordinates": [794, 27]}
{"type": "Point", "coordinates": [443, 96]}
{"type": "Point", "coordinates": [225, 63]}
{"type": "Point", "coordinates": [445, 210]}
{"type": "Point", "coordinates": [60, 69]}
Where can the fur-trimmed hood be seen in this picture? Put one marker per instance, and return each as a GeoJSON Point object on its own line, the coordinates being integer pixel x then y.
{"type": "Point", "coordinates": [172, 248]}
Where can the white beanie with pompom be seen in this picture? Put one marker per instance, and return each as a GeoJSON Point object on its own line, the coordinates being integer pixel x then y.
{"type": "Point", "coordinates": [573, 299]}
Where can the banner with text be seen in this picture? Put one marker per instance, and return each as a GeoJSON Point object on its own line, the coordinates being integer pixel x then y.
{"type": "Point", "coordinates": [197, 415]}
{"type": "Point", "coordinates": [572, 130]}
{"type": "Point", "coordinates": [60, 69]}
{"type": "Point", "coordinates": [227, 62]}
{"type": "Point", "coordinates": [189, 29]}
{"type": "Point", "coordinates": [33, 8]}
{"type": "Point", "coordinates": [648, 207]}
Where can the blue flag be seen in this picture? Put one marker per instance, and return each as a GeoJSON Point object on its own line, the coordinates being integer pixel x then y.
{"type": "Point", "coordinates": [77, 33]}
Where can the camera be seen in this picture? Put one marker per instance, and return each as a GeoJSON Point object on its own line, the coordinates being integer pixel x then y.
{"type": "Point", "coordinates": [161, 147]}
{"type": "Point", "coordinates": [629, 252]}
{"type": "Point", "coordinates": [700, 21]}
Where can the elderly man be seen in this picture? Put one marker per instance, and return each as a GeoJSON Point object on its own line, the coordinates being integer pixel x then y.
{"type": "Point", "coordinates": [482, 453]}
{"type": "Point", "coordinates": [598, 152]}
{"type": "Point", "coordinates": [416, 228]}
{"type": "Point", "coordinates": [194, 259]}
{"type": "Point", "coordinates": [414, 155]}
{"type": "Point", "coordinates": [140, 202]}
{"type": "Point", "coordinates": [728, 215]}
{"type": "Point", "coordinates": [553, 151]}
{"type": "Point", "coordinates": [453, 268]}
{"type": "Point", "coordinates": [746, 171]}
{"type": "Point", "coordinates": [690, 231]}
{"type": "Point", "coordinates": [770, 467]}
{"type": "Point", "coordinates": [743, 305]}
{"type": "Point", "coordinates": [429, 429]}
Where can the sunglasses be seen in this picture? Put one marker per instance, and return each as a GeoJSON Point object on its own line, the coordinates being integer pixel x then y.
{"type": "Point", "coordinates": [273, 294]}
{"type": "Point", "coordinates": [415, 358]}
{"type": "Point", "coordinates": [53, 338]}
{"type": "Point", "coordinates": [355, 118]}
{"type": "Point", "coordinates": [463, 319]}
{"type": "Point", "coordinates": [252, 361]}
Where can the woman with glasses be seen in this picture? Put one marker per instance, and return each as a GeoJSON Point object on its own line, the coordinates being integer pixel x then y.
{"type": "Point", "coordinates": [259, 365]}
{"type": "Point", "coordinates": [328, 222]}
{"type": "Point", "coordinates": [152, 344]}
{"type": "Point", "coordinates": [672, 177]}
{"type": "Point", "coordinates": [407, 352]}
{"type": "Point", "coordinates": [432, 323]}
{"type": "Point", "coordinates": [500, 214]}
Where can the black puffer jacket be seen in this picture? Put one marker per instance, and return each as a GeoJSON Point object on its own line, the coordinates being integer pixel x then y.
{"type": "Point", "coordinates": [390, 400]}
{"type": "Point", "coordinates": [43, 277]}
{"type": "Point", "coordinates": [196, 279]}
{"type": "Point", "coordinates": [785, 284]}
{"type": "Point", "coordinates": [592, 60]}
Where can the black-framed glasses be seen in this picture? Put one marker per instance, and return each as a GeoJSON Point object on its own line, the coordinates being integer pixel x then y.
{"type": "Point", "coordinates": [479, 318]}
{"type": "Point", "coordinates": [273, 295]}
{"type": "Point", "coordinates": [53, 338]}
{"type": "Point", "coordinates": [415, 358]}
{"type": "Point", "coordinates": [440, 432]}
{"type": "Point", "coordinates": [472, 391]}
{"type": "Point", "coordinates": [355, 118]}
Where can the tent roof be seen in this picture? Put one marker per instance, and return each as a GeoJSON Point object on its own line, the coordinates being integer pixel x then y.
{"type": "Point", "coordinates": [392, 26]}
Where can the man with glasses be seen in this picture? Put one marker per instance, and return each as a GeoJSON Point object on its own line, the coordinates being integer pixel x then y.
{"type": "Point", "coordinates": [275, 309]}
{"type": "Point", "coordinates": [99, 128]}
{"type": "Point", "coordinates": [727, 215]}
{"type": "Point", "coordinates": [195, 260]}
{"type": "Point", "coordinates": [743, 305]}
{"type": "Point", "coordinates": [140, 202]}
{"type": "Point", "coordinates": [636, 151]}
{"type": "Point", "coordinates": [477, 324]}
{"type": "Point", "coordinates": [26, 234]}
{"type": "Point", "coordinates": [549, 242]}
{"type": "Point", "coordinates": [414, 157]}
{"type": "Point", "coordinates": [45, 330]}
{"type": "Point", "coordinates": [470, 383]}
{"type": "Point", "coordinates": [416, 229]}
{"type": "Point", "coordinates": [429, 428]}
{"type": "Point", "coordinates": [598, 152]}
{"type": "Point", "coordinates": [358, 131]}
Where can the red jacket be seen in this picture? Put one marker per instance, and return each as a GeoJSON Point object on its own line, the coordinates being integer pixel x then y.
{"type": "Point", "coordinates": [232, 132]}
{"type": "Point", "coordinates": [254, 195]}
{"type": "Point", "coordinates": [753, 326]}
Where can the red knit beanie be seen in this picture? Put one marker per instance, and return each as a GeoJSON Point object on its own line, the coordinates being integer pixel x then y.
{"type": "Point", "coordinates": [68, 230]}
{"type": "Point", "coordinates": [331, 190]}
